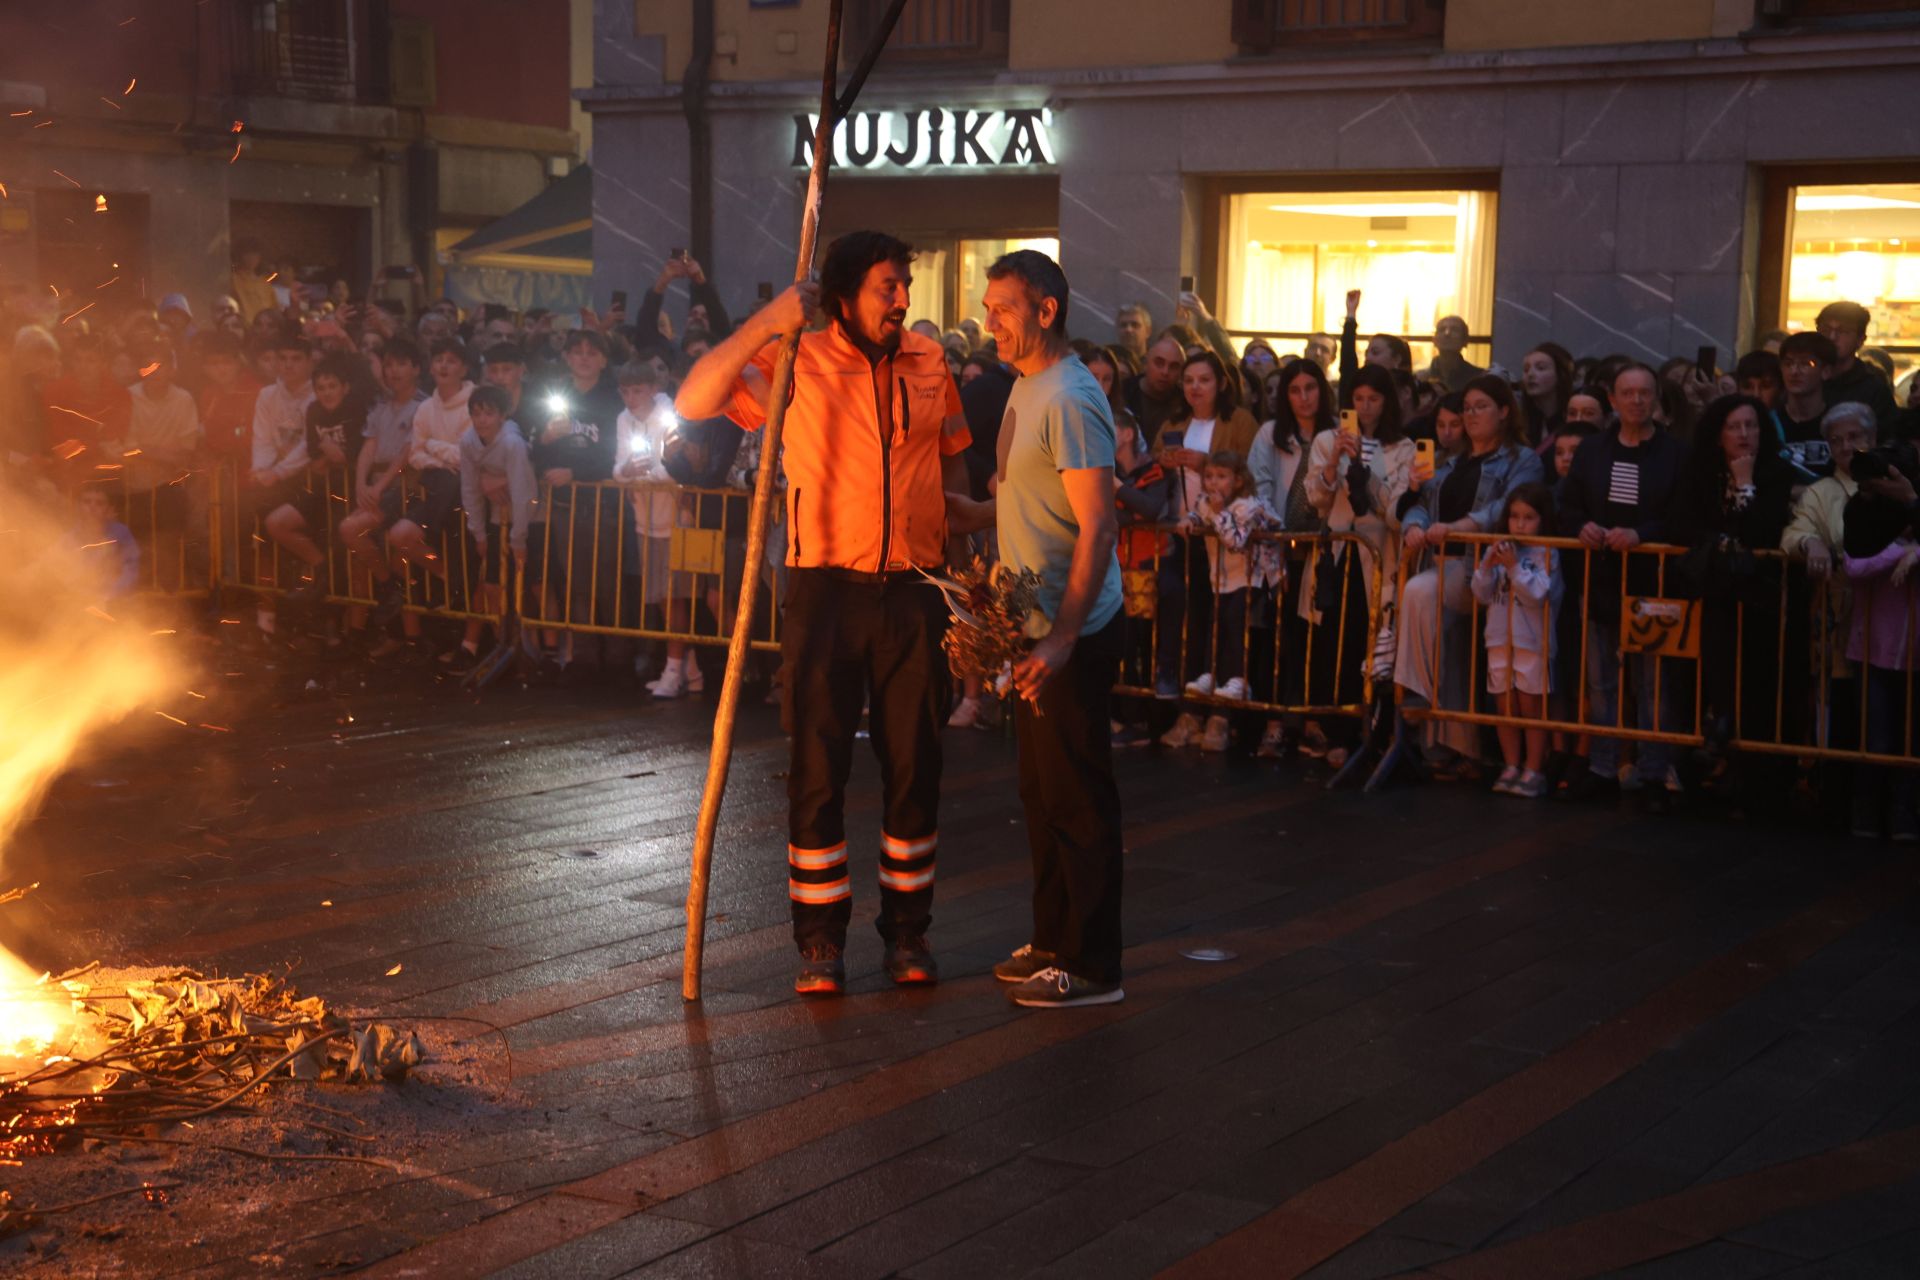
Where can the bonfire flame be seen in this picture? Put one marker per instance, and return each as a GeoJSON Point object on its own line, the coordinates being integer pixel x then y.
{"type": "Point", "coordinates": [68, 669]}
{"type": "Point", "coordinates": [32, 1013]}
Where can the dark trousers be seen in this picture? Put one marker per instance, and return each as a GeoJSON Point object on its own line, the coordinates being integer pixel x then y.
{"type": "Point", "coordinates": [1185, 611]}
{"type": "Point", "coordinates": [847, 644]}
{"type": "Point", "coordinates": [1073, 810]}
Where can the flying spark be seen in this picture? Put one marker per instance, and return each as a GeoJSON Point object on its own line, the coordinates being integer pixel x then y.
{"type": "Point", "coordinates": [62, 174]}
{"type": "Point", "coordinates": [129, 89]}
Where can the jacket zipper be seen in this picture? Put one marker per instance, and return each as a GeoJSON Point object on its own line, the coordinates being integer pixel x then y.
{"type": "Point", "coordinates": [886, 480]}
{"type": "Point", "coordinates": [796, 526]}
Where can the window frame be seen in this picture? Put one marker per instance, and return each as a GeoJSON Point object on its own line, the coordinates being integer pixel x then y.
{"type": "Point", "coordinates": [1774, 262]}
{"type": "Point", "coordinates": [1216, 192]}
{"type": "Point", "coordinates": [1259, 26]}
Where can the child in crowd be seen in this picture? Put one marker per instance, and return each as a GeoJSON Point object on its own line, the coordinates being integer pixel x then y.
{"type": "Point", "coordinates": [336, 417]}
{"type": "Point", "coordinates": [377, 488]}
{"type": "Point", "coordinates": [645, 426]}
{"type": "Point", "coordinates": [155, 456]}
{"type": "Point", "coordinates": [105, 544]}
{"type": "Point", "coordinates": [434, 457]}
{"type": "Point", "coordinates": [1234, 512]}
{"type": "Point", "coordinates": [1569, 749]}
{"type": "Point", "coordinates": [1520, 589]}
{"type": "Point", "coordinates": [228, 391]}
{"type": "Point", "coordinates": [1883, 563]}
{"type": "Point", "coordinates": [499, 494]}
{"type": "Point", "coordinates": [1567, 439]}
{"type": "Point", "coordinates": [1143, 492]}
{"type": "Point", "coordinates": [280, 437]}
{"type": "Point", "coordinates": [85, 407]}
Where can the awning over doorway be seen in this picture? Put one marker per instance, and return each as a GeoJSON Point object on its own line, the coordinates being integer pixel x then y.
{"type": "Point", "coordinates": [539, 255]}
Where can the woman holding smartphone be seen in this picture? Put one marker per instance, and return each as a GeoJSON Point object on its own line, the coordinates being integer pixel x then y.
{"type": "Point", "coordinates": [1464, 494]}
{"type": "Point", "coordinates": [1355, 476]}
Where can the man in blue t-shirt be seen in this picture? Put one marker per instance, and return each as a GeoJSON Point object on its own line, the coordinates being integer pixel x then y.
{"type": "Point", "coordinates": [1054, 513]}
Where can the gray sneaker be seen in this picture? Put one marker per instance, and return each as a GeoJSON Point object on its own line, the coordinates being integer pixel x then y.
{"type": "Point", "coordinates": [1054, 988]}
{"type": "Point", "coordinates": [1023, 964]}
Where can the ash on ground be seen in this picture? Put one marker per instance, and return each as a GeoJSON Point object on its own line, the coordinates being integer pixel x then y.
{"type": "Point", "coordinates": [225, 1194]}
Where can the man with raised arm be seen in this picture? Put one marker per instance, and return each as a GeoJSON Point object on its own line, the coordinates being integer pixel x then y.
{"type": "Point", "coordinates": [874, 437]}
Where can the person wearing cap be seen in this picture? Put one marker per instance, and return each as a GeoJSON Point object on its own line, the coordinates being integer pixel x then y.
{"type": "Point", "coordinates": [874, 438]}
{"type": "Point", "coordinates": [176, 315]}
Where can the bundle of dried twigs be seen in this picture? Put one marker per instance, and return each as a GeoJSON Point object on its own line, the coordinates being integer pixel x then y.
{"type": "Point", "coordinates": [182, 1046]}
{"type": "Point", "coordinates": [996, 619]}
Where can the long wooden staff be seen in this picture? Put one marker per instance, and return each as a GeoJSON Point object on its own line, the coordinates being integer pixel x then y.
{"type": "Point", "coordinates": [778, 394]}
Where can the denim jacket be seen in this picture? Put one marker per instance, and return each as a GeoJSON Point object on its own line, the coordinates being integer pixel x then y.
{"type": "Point", "coordinates": [1503, 471]}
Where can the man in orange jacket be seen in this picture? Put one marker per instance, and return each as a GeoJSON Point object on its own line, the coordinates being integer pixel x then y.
{"type": "Point", "coordinates": [874, 437]}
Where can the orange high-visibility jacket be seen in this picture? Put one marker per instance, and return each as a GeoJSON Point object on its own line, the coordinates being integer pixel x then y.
{"type": "Point", "coordinates": [863, 445]}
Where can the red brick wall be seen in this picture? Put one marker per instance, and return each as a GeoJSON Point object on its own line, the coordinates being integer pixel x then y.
{"type": "Point", "coordinates": [498, 59]}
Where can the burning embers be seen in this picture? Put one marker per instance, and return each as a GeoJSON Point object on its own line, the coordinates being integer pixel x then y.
{"type": "Point", "coordinates": [33, 1012]}
{"type": "Point", "coordinates": [176, 1048]}
{"type": "Point", "coordinates": [120, 1057]}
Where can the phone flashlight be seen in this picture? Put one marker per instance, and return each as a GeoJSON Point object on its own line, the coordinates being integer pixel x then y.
{"type": "Point", "coordinates": [557, 406]}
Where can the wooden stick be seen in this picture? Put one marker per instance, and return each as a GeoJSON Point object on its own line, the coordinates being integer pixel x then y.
{"type": "Point", "coordinates": [779, 392]}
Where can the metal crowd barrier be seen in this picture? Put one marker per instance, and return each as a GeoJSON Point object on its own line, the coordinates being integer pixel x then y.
{"type": "Point", "coordinates": [590, 567]}
{"type": "Point", "coordinates": [1294, 664]}
{"type": "Point", "coordinates": [170, 514]}
{"type": "Point", "coordinates": [1310, 647]}
{"type": "Point", "coordinates": [1758, 668]}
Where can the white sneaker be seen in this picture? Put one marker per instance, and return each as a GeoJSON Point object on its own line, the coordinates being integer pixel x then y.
{"type": "Point", "coordinates": [696, 681]}
{"type": "Point", "coordinates": [1270, 742]}
{"type": "Point", "coordinates": [966, 714]}
{"type": "Point", "coordinates": [1235, 690]}
{"type": "Point", "coordinates": [1214, 739]}
{"type": "Point", "coordinates": [1201, 686]}
{"type": "Point", "coordinates": [671, 684]}
{"type": "Point", "coordinates": [1184, 731]}
{"type": "Point", "coordinates": [1674, 785]}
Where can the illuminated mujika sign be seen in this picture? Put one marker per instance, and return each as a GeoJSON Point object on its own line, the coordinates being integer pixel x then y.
{"type": "Point", "coordinates": [933, 138]}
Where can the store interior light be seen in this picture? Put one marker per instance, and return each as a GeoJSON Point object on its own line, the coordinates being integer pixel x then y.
{"type": "Point", "coordinates": [1384, 209]}
{"type": "Point", "coordinates": [1843, 203]}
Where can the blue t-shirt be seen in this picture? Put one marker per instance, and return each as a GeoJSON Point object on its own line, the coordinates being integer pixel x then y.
{"type": "Point", "coordinates": [1057, 420]}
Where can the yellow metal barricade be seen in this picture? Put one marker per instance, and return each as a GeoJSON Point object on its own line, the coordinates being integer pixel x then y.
{"type": "Point", "coordinates": [1652, 631]}
{"type": "Point", "coordinates": [1306, 642]}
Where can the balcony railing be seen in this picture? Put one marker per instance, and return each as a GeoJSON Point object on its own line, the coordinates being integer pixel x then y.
{"type": "Point", "coordinates": [320, 50]}
{"type": "Point", "coordinates": [1260, 25]}
{"type": "Point", "coordinates": [965, 31]}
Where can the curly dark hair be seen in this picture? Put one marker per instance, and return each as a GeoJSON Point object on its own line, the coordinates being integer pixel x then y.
{"type": "Point", "coordinates": [848, 260]}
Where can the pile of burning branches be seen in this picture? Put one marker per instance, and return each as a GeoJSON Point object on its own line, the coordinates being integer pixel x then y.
{"type": "Point", "coordinates": [180, 1047]}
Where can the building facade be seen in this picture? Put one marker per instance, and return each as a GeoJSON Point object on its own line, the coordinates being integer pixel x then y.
{"type": "Point", "coordinates": [140, 142]}
{"type": "Point", "coordinates": [1649, 178]}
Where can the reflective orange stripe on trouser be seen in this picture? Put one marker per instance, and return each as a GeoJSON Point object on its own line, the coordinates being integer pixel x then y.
{"type": "Point", "coordinates": [818, 877]}
{"type": "Point", "coordinates": [906, 866]}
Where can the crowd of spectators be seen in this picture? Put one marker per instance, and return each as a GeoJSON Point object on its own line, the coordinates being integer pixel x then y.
{"type": "Point", "coordinates": [1800, 448]}
{"type": "Point", "coordinates": [403, 452]}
